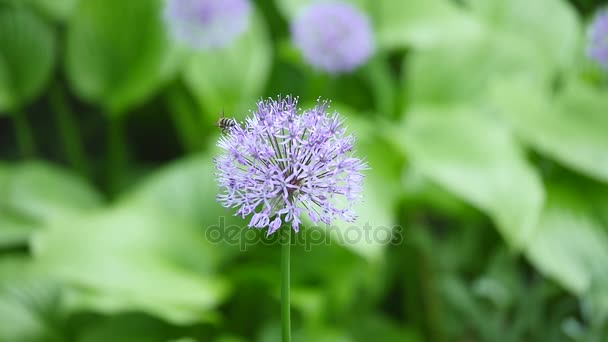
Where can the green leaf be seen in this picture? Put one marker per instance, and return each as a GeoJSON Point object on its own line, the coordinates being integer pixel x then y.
{"type": "Point", "coordinates": [552, 26]}
{"type": "Point", "coordinates": [132, 258]}
{"type": "Point", "coordinates": [477, 159]}
{"type": "Point", "coordinates": [28, 304]}
{"type": "Point", "coordinates": [40, 193]}
{"type": "Point", "coordinates": [118, 54]}
{"type": "Point", "coordinates": [471, 68]}
{"type": "Point", "coordinates": [570, 245]}
{"type": "Point", "coordinates": [233, 78]}
{"type": "Point", "coordinates": [27, 56]}
{"type": "Point", "coordinates": [187, 191]}
{"type": "Point", "coordinates": [291, 8]}
{"type": "Point", "coordinates": [422, 24]}
{"type": "Point", "coordinates": [570, 128]}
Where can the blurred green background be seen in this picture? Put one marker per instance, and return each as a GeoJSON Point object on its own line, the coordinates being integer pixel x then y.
{"type": "Point", "coordinates": [484, 125]}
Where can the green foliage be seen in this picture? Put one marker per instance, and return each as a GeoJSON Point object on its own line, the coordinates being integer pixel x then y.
{"type": "Point", "coordinates": [27, 56]}
{"type": "Point", "coordinates": [569, 128]}
{"type": "Point", "coordinates": [485, 211]}
{"type": "Point", "coordinates": [422, 24]}
{"type": "Point", "coordinates": [117, 52]}
{"type": "Point", "coordinates": [486, 168]}
{"type": "Point", "coordinates": [130, 244]}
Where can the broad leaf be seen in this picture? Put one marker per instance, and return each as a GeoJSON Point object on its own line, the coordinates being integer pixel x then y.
{"type": "Point", "coordinates": [29, 304]}
{"type": "Point", "coordinates": [40, 193]}
{"type": "Point", "coordinates": [477, 159]}
{"type": "Point", "coordinates": [570, 127]}
{"type": "Point", "coordinates": [570, 245]}
{"type": "Point", "coordinates": [118, 54]}
{"type": "Point", "coordinates": [27, 55]}
{"type": "Point", "coordinates": [422, 24]}
{"type": "Point", "coordinates": [470, 69]}
{"type": "Point", "coordinates": [552, 26]}
{"type": "Point", "coordinates": [132, 258]}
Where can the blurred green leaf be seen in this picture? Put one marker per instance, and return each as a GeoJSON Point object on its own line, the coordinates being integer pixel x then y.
{"type": "Point", "coordinates": [27, 56]}
{"type": "Point", "coordinates": [477, 159]}
{"type": "Point", "coordinates": [59, 10]}
{"type": "Point", "coordinates": [28, 304]}
{"type": "Point", "coordinates": [186, 191]}
{"type": "Point", "coordinates": [470, 69]}
{"type": "Point", "coordinates": [118, 54]}
{"type": "Point", "coordinates": [570, 245]}
{"type": "Point", "coordinates": [552, 26]}
{"type": "Point", "coordinates": [34, 194]}
{"type": "Point", "coordinates": [291, 8]}
{"type": "Point", "coordinates": [422, 24]}
{"type": "Point", "coordinates": [40, 193]}
{"type": "Point", "coordinates": [570, 127]}
{"type": "Point", "coordinates": [233, 78]}
{"type": "Point", "coordinates": [132, 258]}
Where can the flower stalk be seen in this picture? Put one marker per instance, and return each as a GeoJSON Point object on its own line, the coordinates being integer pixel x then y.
{"type": "Point", "coordinates": [285, 287]}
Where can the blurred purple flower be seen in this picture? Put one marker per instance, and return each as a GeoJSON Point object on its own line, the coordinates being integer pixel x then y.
{"type": "Point", "coordinates": [284, 162]}
{"type": "Point", "coordinates": [597, 48]}
{"type": "Point", "coordinates": [333, 37]}
{"type": "Point", "coordinates": [207, 24]}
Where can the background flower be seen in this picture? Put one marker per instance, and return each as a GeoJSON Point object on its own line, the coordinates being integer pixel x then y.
{"type": "Point", "coordinates": [283, 163]}
{"type": "Point", "coordinates": [207, 24]}
{"type": "Point", "coordinates": [333, 37]}
{"type": "Point", "coordinates": [598, 39]}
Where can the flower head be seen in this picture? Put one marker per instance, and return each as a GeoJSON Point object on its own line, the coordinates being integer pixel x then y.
{"type": "Point", "coordinates": [207, 24]}
{"type": "Point", "coordinates": [333, 37]}
{"type": "Point", "coordinates": [597, 48]}
{"type": "Point", "coordinates": [284, 162]}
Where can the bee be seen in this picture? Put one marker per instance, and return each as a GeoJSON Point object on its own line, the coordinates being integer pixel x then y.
{"type": "Point", "coordinates": [226, 124]}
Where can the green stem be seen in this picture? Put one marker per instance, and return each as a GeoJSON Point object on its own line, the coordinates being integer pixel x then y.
{"type": "Point", "coordinates": [68, 129]}
{"type": "Point", "coordinates": [285, 306]}
{"type": "Point", "coordinates": [24, 134]}
{"type": "Point", "coordinates": [116, 153]}
{"type": "Point", "coordinates": [184, 119]}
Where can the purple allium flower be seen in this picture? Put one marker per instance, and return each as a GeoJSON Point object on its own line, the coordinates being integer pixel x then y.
{"type": "Point", "coordinates": [333, 37]}
{"type": "Point", "coordinates": [597, 48]}
{"type": "Point", "coordinates": [284, 162]}
{"type": "Point", "coordinates": [207, 24]}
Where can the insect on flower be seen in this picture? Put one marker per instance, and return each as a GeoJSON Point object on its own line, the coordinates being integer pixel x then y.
{"type": "Point", "coordinates": [284, 162]}
{"type": "Point", "coordinates": [226, 124]}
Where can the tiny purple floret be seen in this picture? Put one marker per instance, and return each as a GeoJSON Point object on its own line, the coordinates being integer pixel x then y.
{"type": "Point", "coordinates": [597, 48]}
{"type": "Point", "coordinates": [207, 24]}
{"type": "Point", "coordinates": [333, 37]}
{"type": "Point", "coordinates": [283, 162]}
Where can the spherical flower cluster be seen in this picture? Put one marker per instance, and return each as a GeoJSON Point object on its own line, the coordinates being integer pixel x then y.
{"type": "Point", "coordinates": [597, 48]}
{"type": "Point", "coordinates": [283, 162]}
{"type": "Point", "coordinates": [207, 24]}
{"type": "Point", "coordinates": [333, 37]}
